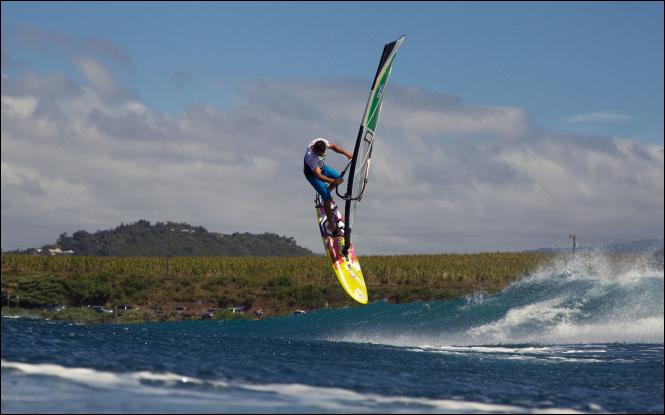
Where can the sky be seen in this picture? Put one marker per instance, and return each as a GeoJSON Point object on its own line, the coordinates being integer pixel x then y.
{"type": "Point", "coordinates": [505, 125]}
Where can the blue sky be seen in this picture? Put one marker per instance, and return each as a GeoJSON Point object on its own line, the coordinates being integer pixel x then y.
{"type": "Point", "coordinates": [557, 60]}
{"type": "Point", "coordinates": [505, 125]}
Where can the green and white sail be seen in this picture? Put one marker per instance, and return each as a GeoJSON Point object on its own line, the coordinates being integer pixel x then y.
{"type": "Point", "coordinates": [362, 152]}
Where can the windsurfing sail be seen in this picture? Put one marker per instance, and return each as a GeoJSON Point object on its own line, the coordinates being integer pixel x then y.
{"type": "Point", "coordinates": [362, 153]}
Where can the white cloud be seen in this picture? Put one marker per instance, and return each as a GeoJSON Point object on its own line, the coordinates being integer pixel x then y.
{"type": "Point", "coordinates": [499, 121]}
{"type": "Point", "coordinates": [47, 41]}
{"type": "Point", "coordinates": [98, 77]}
{"type": "Point", "coordinates": [19, 106]}
{"type": "Point", "coordinates": [445, 176]}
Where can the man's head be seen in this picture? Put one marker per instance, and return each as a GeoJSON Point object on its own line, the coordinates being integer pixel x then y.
{"type": "Point", "coordinates": [319, 147]}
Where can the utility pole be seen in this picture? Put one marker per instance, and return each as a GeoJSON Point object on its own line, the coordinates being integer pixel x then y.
{"type": "Point", "coordinates": [168, 248]}
{"type": "Point", "coordinates": [574, 237]}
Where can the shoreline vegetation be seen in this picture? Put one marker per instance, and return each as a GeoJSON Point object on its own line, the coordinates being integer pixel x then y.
{"type": "Point", "coordinates": [88, 290]}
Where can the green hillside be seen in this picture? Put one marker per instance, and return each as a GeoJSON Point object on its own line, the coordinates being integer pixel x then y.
{"type": "Point", "coordinates": [175, 239]}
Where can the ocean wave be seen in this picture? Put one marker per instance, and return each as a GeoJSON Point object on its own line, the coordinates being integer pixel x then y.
{"type": "Point", "coordinates": [586, 300]}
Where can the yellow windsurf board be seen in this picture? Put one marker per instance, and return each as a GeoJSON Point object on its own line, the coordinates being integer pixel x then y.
{"type": "Point", "coordinates": [346, 267]}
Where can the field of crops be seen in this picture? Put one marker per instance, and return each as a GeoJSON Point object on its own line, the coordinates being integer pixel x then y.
{"type": "Point", "coordinates": [383, 269]}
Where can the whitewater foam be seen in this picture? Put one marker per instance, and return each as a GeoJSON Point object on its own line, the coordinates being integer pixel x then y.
{"type": "Point", "coordinates": [288, 394]}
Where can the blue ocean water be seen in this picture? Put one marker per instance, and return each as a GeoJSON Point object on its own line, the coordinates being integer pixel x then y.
{"type": "Point", "coordinates": [576, 336]}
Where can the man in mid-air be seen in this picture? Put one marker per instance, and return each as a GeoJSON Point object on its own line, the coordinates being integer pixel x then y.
{"type": "Point", "coordinates": [318, 174]}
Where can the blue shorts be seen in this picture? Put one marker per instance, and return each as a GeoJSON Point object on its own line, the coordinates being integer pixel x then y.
{"type": "Point", "coordinates": [320, 186]}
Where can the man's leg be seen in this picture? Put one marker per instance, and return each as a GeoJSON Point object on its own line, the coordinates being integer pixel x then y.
{"type": "Point", "coordinates": [327, 207]}
{"type": "Point", "coordinates": [325, 194]}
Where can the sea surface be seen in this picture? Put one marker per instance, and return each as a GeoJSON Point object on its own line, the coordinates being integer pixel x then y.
{"type": "Point", "coordinates": [574, 337]}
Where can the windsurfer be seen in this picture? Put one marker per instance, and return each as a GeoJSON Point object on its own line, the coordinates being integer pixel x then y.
{"type": "Point", "coordinates": [318, 174]}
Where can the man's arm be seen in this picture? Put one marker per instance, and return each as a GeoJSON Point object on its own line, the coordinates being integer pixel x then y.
{"type": "Point", "coordinates": [340, 150]}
